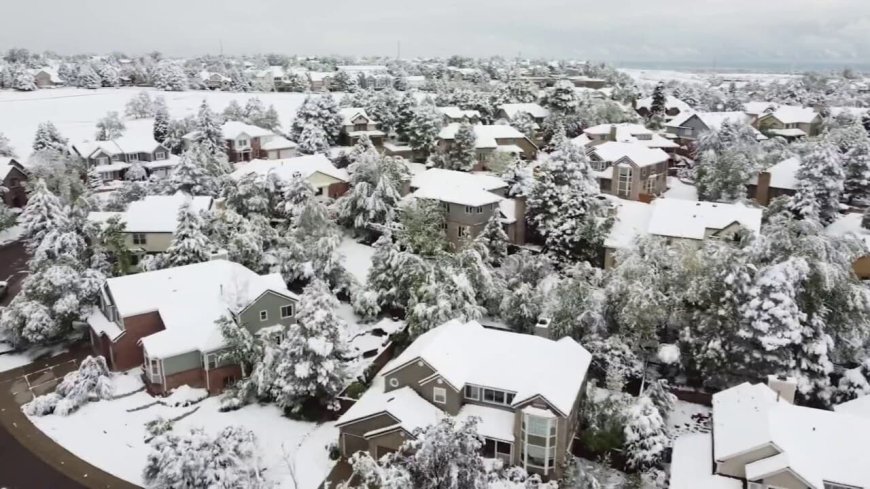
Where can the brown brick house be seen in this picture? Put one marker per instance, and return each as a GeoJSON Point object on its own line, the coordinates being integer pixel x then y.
{"type": "Point", "coordinates": [165, 321]}
{"type": "Point", "coordinates": [246, 142]}
{"type": "Point", "coordinates": [13, 176]}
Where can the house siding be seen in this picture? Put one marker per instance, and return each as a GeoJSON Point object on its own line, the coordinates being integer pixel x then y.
{"type": "Point", "coordinates": [272, 303]}
{"type": "Point", "coordinates": [391, 441]}
{"type": "Point", "coordinates": [126, 351]}
{"type": "Point", "coordinates": [182, 363]}
{"type": "Point", "coordinates": [736, 466]}
{"type": "Point", "coordinates": [410, 375]}
{"type": "Point", "coordinates": [785, 480]}
{"type": "Point", "coordinates": [351, 434]}
{"type": "Point", "coordinates": [154, 242]}
{"type": "Point", "coordinates": [17, 194]}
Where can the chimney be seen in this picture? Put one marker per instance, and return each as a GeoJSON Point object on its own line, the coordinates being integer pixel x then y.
{"type": "Point", "coordinates": [542, 328]}
{"type": "Point", "coordinates": [612, 135]}
{"type": "Point", "coordinates": [219, 255]}
{"type": "Point", "coordinates": [785, 387]}
{"type": "Point", "coordinates": [762, 190]}
{"type": "Point", "coordinates": [520, 215]}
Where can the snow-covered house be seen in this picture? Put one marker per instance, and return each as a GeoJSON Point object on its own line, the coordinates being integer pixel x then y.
{"type": "Point", "coordinates": [470, 200]}
{"type": "Point", "coordinates": [535, 111]}
{"type": "Point", "coordinates": [688, 126]}
{"type": "Point", "coordinates": [355, 122]}
{"type": "Point", "coordinates": [246, 142]}
{"type": "Point", "coordinates": [376, 77]}
{"type": "Point", "coordinates": [850, 225]}
{"type": "Point", "coordinates": [112, 159]}
{"type": "Point", "coordinates": [778, 180]}
{"type": "Point", "coordinates": [527, 409]}
{"type": "Point", "coordinates": [677, 219]}
{"type": "Point", "coordinates": [673, 106]}
{"type": "Point", "coordinates": [214, 81]}
{"type": "Point", "coordinates": [47, 78]}
{"type": "Point", "coordinates": [455, 115]}
{"type": "Point", "coordinates": [166, 321]}
{"type": "Point", "coordinates": [630, 171]}
{"type": "Point", "coordinates": [320, 80]}
{"type": "Point", "coordinates": [625, 133]}
{"type": "Point", "coordinates": [13, 177]}
{"type": "Point", "coordinates": [787, 121]}
{"type": "Point", "coordinates": [491, 139]}
{"type": "Point", "coordinates": [761, 439]}
{"type": "Point", "coordinates": [150, 223]}
{"type": "Point", "coordinates": [326, 179]}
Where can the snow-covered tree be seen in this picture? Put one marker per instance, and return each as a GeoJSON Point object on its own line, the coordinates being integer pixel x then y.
{"type": "Point", "coordinates": [722, 177]}
{"type": "Point", "coordinates": [90, 382]}
{"type": "Point", "coordinates": [820, 179]}
{"type": "Point", "coordinates": [6, 149]}
{"type": "Point", "coordinates": [189, 244]}
{"type": "Point", "coordinates": [88, 78]}
{"type": "Point", "coordinates": [405, 115]}
{"type": "Point", "coordinates": [140, 107]}
{"type": "Point", "coordinates": [661, 397]}
{"type": "Point", "coordinates": [515, 90]}
{"type": "Point", "coordinates": [49, 138]}
{"type": "Point", "coordinates": [344, 82]}
{"type": "Point", "coordinates": [248, 195]}
{"type": "Point", "coordinates": [445, 293]}
{"type": "Point", "coordinates": [108, 75]}
{"type": "Point", "coordinates": [161, 123]}
{"type": "Point", "coordinates": [658, 106]}
{"type": "Point", "coordinates": [319, 111]}
{"type": "Point", "coordinates": [190, 176]}
{"type": "Point", "coordinates": [43, 213]}
{"type": "Point", "coordinates": [865, 219]}
{"type": "Point", "coordinates": [208, 130]}
{"type": "Point", "coordinates": [561, 98]}
{"type": "Point", "coordinates": [307, 366]}
{"type": "Point", "coordinates": [646, 438]}
{"type": "Point", "coordinates": [234, 111]}
{"type": "Point", "coordinates": [374, 193]}
{"type": "Point", "coordinates": [136, 173]}
{"type": "Point", "coordinates": [95, 181]}
{"type": "Point", "coordinates": [422, 227]}
{"type": "Point", "coordinates": [170, 77]}
{"type": "Point", "coordinates": [856, 163]}
{"type": "Point", "coordinates": [110, 127]}
{"type": "Point", "coordinates": [24, 81]}
{"type": "Point", "coordinates": [297, 82]}
{"type": "Point", "coordinates": [462, 153]}
{"type": "Point", "coordinates": [394, 273]}
{"type": "Point", "coordinates": [422, 131]}
{"type": "Point", "coordinates": [197, 460]}
{"type": "Point", "coordinates": [313, 140]}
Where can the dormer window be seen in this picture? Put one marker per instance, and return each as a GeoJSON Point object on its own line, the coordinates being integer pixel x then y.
{"type": "Point", "coordinates": [160, 155]}
{"type": "Point", "coordinates": [243, 143]}
{"type": "Point", "coordinates": [133, 157]}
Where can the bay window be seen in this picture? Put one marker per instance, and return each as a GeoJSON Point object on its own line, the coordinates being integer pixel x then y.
{"type": "Point", "coordinates": [538, 441]}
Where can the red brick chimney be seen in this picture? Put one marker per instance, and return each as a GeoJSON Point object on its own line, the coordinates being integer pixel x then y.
{"type": "Point", "coordinates": [762, 190]}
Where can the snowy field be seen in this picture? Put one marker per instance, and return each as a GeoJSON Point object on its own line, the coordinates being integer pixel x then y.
{"type": "Point", "coordinates": [655, 76]}
{"type": "Point", "coordinates": [357, 258]}
{"type": "Point", "coordinates": [677, 189]}
{"type": "Point", "coordinates": [107, 436]}
{"type": "Point", "coordinates": [75, 111]}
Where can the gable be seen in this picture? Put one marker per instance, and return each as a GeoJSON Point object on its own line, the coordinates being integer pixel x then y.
{"type": "Point", "coordinates": [538, 399]}
{"type": "Point", "coordinates": [14, 172]}
{"type": "Point", "coordinates": [360, 119]}
{"type": "Point", "coordinates": [696, 123]}
{"type": "Point", "coordinates": [267, 298]}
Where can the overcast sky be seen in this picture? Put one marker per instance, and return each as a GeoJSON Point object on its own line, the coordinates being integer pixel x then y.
{"type": "Point", "coordinates": [703, 31]}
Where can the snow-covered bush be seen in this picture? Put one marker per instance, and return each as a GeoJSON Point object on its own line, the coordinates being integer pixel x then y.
{"type": "Point", "coordinates": [646, 436]}
{"type": "Point", "coordinates": [92, 381]}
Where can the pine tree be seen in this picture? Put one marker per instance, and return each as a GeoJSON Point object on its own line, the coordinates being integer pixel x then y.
{"type": "Point", "coordinates": [462, 153]}
{"type": "Point", "coordinates": [405, 115]}
{"type": "Point", "coordinates": [234, 111]}
{"type": "Point", "coordinates": [42, 214]}
{"type": "Point", "coordinates": [394, 273]}
{"type": "Point", "coordinates": [208, 131]}
{"type": "Point", "coordinates": [856, 163]}
{"type": "Point", "coordinates": [445, 293]}
{"type": "Point", "coordinates": [49, 138]}
{"type": "Point", "coordinates": [95, 181]}
{"type": "Point", "coordinates": [170, 77]}
{"type": "Point", "coordinates": [661, 397]}
{"type": "Point", "coordinates": [308, 364]}
{"type": "Point", "coordinates": [658, 106]}
{"type": "Point", "coordinates": [646, 436]}
{"type": "Point", "coordinates": [110, 127]}
{"type": "Point", "coordinates": [820, 180]}
{"type": "Point", "coordinates": [493, 241]}
{"type": "Point", "coordinates": [161, 123]}
{"type": "Point", "coordinates": [189, 176]}
{"type": "Point", "coordinates": [722, 177]}
{"type": "Point", "coordinates": [189, 244]}
{"type": "Point", "coordinates": [320, 111]}
{"type": "Point", "coordinates": [23, 81]}
{"type": "Point", "coordinates": [313, 140]}
{"type": "Point", "coordinates": [136, 172]}
{"type": "Point", "coordinates": [561, 98]}
{"type": "Point", "coordinates": [374, 194]}
{"type": "Point", "coordinates": [296, 82]}
{"type": "Point", "coordinates": [423, 130]}
{"type": "Point", "coordinates": [88, 78]}
{"type": "Point", "coordinates": [6, 149]}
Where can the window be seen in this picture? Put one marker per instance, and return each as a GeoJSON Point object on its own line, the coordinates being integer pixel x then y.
{"type": "Point", "coordinates": [651, 184]}
{"type": "Point", "coordinates": [160, 155]}
{"type": "Point", "coordinates": [834, 485]}
{"type": "Point", "coordinates": [360, 126]}
{"type": "Point", "coordinates": [446, 206]}
{"type": "Point", "coordinates": [286, 311]}
{"type": "Point", "coordinates": [243, 143]}
{"type": "Point", "coordinates": [133, 157]}
{"type": "Point", "coordinates": [211, 361]}
{"type": "Point", "coordinates": [394, 382]}
{"type": "Point", "coordinates": [13, 182]}
{"type": "Point", "coordinates": [598, 165]}
{"type": "Point", "coordinates": [439, 395]}
{"type": "Point", "coordinates": [496, 449]}
{"type": "Point", "coordinates": [139, 239]}
{"type": "Point", "coordinates": [539, 442]}
{"type": "Point", "coordinates": [264, 315]}
{"type": "Point", "coordinates": [496, 397]}
{"type": "Point", "coordinates": [463, 231]}
{"type": "Point", "coordinates": [102, 160]}
{"type": "Point", "coordinates": [472, 392]}
{"type": "Point", "coordinates": [623, 181]}
{"type": "Point", "coordinates": [473, 210]}
{"type": "Point", "coordinates": [117, 157]}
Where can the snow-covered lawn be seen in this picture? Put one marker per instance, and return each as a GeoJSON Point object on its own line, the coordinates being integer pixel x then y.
{"type": "Point", "coordinates": [366, 340]}
{"type": "Point", "coordinates": [107, 436]}
{"type": "Point", "coordinates": [357, 258]}
{"type": "Point", "coordinates": [9, 360]}
{"type": "Point", "coordinates": [677, 189]}
{"type": "Point", "coordinates": [75, 111]}
{"type": "Point", "coordinates": [687, 418]}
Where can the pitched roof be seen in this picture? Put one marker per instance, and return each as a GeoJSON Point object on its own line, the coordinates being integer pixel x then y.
{"type": "Point", "coordinates": [486, 135]}
{"type": "Point", "coordinates": [189, 300]}
{"type": "Point", "coordinates": [131, 142]}
{"type": "Point", "coordinates": [782, 175]}
{"type": "Point", "coordinates": [234, 129]}
{"type": "Point", "coordinates": [154, 213]}
{"type": "Point", "coordinates": [285, 168]}
{"type": "Point", "coordinates": [350, 113]}
{"type": "Point", "coordinates": [679, 218]}
{"type": "Point", "coordinates": [457, 187]}
{"type": "Point", "coordinates": [7, 164]}
{"type": "Point", "coordinates": [793, 114]}
{"type": "Point", "coordinates": [277, 142]}
{"type": "Point", "coordinates": [411, 410]}
{"type": "Point", "coordinates": [629, 133]}
{"type": "Point", "coordinates": [454, 351]}
{"type": "Point", "coordinates": [534, 110]}
{"type": "Point", "coordinates": [692, 465]}
{"type": "Point", "coordinates": [631, 220]}
{"type": "Point", "coordinates": [713, 120]}
{"type": "Point", "coordinates": [457, 113]}
{"type": "Point", "coordinates": [641, 155]}
{"type": "Point", "coordinates": [670, 103]}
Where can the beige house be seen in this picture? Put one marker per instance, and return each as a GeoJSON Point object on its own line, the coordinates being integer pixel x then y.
{"type": "Point", "coordinates": [688, 126]}
{"type": "Point", "coordinates": [470, 200]}
{"type": "Point", "coordinates": [455, 115]}
{"type": "Point", "coordinates": [777, 181]}
{"type": "Point", "coordinates": [762, 440]}
{"type": "Point", "coordinates": [165, 321]}
{"type": "Point", "coordinates": [47, 78]}
{"type": "Point", "coordinates": [246, 142]}
{"type": "Point", "coordinates": [677, 220]}
{"type": "Point", "coordinates": [326, 179]}
{"type": "Point", "coordinates": [787, 121]}
{"type": "Point", "coordinates": [528, 411]}
{"type": "Point", "coordinates": [489, 140]}
{"type": "Point", "coordinates": [355, 122]}
{"type": "Point", "coordinates": [112, 159]}
{"type": "Point", "coordinates": [625, 133]}
{"type": "Point", "coordinates": [629, 170]}
{"type": "Point", "coordinates": [150, 223]}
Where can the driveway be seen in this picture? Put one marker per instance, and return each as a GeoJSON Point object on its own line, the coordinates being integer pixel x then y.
{"type": "Point", "coordinates": [13, 268]}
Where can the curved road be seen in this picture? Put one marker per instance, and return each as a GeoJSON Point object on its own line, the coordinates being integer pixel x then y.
{"type": "Point", "coordinates": [21, 469]}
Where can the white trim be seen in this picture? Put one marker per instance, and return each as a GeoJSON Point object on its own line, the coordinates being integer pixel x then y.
{"type": "Point", "coordinates": [443, 394]}
{"type": "Point", "coordinates": [394, 382]}
{"type": "Point", "coordinates": [262, 317]}
{"type": "Point", "coordinates": [281, 311]}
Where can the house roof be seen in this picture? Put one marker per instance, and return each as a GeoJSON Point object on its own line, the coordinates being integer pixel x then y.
{"type": "Point", "coordinates": [792, 114]}
{"type": "Point", "coordinates": [850, 225]}
{"type": "Point", "coordinates": [628, 133]}
{"type": "Point", "coordinates": [631, 220]}
{"type": "Point", "coordinates": [131, 142]}
{"type": "Point", "coordinates": [492, 423]}
{"type": "Point", "coordinates": [453, 351]}
{"type": "Point", "coordinates": [410, 410]}
{"type": "Point", "coordinates": [782, 175]}
{"type": "Point", "coordinates": [189, 300]}
{"type": "Point", "coordinates": [639, 154]}
{"type": "Point", "coordinates": [234, 129]}
{"type": "Point", "coordinates": [51, 72]}
{"type": "Point", "coordinates": [856, 407]}
{"type": "Point", "coordinates": [350, 113]}
{"type": "Point", "coordinates": [474, 189]}
{"type": "Point", "coordinates": [534, 110]}
{"type": "Point", "coordinates": [678, 218]}
{"type": "Point", "coordinates": [7, 164]}
{"type": "Point", "coordinates": [670, 103]}
{"type": "Point", "coordinates": [713, 120]}
{"type": "Point", "coordinates": [457, 113]}
{"type": "Point", "coordinates": [791, 132]}
{"type": "Point", "coordinates": [285, 168]}
{"type": "Point", "coordinates": [692, 465]}
{"type": "Point", "coordinates": [486, 135]}
{"type": "Point", "coordinates": [154, 213]}
{"type": "Point", "coordinates": [277, 142]}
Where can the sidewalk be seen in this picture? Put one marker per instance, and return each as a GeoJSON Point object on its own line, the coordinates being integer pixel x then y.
{"type": "Point", "coordinates": [35, 460]}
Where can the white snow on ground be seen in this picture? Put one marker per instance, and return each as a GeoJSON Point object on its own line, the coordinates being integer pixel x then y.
{"type": "Point", "coordinates": [688, 417]}
{"type": "Point", "coordinates": [107, 436]}
{"type": "Point", "coordinates": [655, 76]}
{"type": "Point", "coordinates": [366, 340]}
{"type": "Point", "coordinates": [357, 258]}
{"type": "Point", "coordinates": [185, 395]}
{"type": "Point", "coordinates": [11, 234]}
{"type": "Point", "coordinates": [75, 111]}
{"type": "Point", "coordinates": [8, 361]}
{"type": "Point", "coordinates": [677, 189]}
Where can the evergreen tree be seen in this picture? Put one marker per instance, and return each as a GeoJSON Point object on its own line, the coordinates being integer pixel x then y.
{"type": "Point", "coordinates": [296, 82]}
{"type": "Point", "coordinates": [49, 138]}
{"type": "Point", "coordinates": [320, 111]}
{"type": "Point", "coordinates": [344, 82]}
{"type": "Point", "coordinates": [561, 99]}
{"type": "Point", "coordinates": [646, 436]}
{"type": "Point", "coordinates": [394, 273]}
{"type": "Point", "coordinates": [493, 241]}
{"type": "Point", "coordinates": [170, 77]}
{"type": "Point", "coordinates": [161, 123]}
{"type": "Point", "coordinates": [462, 153]}
{"type": "Point", "coordinates": [524, 123]}
{"type": "Point", "coordinates": [110, 127]}
{"type": "Point", "coordinates": [108, 75]}
{"type": "Point", "coordinates": [661, 397]}
{"type": "Point", "coordinates": [422, 133]}
{"type": "Point", "coordinates": [313, 140]}
{"type": "Point", "coordinates": [374, 193]}
{"type": "Point", "coordinates": [43, 213]}
{"type": "Point", "coordinates": [88, 78]}
{"type": "Point", "coordinates": [856, 163]}
{"type": "Point", "coordinates": [189, 244]}
{"type": "Point", "coordinates": [820, 180]}
{"type": "Point", "coordinates": [234, 111]}
{"type": "Point", "coordinates": [722, 177]}
{"type": "Point", "coordinates": [189, 176]}
{"type": "Point", "coordinates": [136, 172]}
{"type": "Point", "coordinates": [23, 81]}
{"type": "Point", "coordinates": [208, 131]}
{"type": "Point", "coordinates": [405, 115]}
{"type": "Point", "coordinates": [6, 149]}
{"type": "Point", "coordinates": [308, 364]}
{"type": "Point", "coordinates": [422, 227]}
{"type": "Point", "coordinates": [95, 181]}
{"type": "Point", "coordinates": [658, 106]}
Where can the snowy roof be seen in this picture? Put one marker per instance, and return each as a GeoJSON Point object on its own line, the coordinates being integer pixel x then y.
{"type": "Point", "coordinates": [101, 325]}
{"type": "Point", "coordinates": [457, 187]}
{"type": "Point", "coordinates": [112, 167]}
{"type": "Point", "coordinates": [740, 420]}
{"type": "Point", "coordinates": [493, 422]}
{"type": "Point", "coordinates": [792, 132]}
{"type": "Point", "coordinates": [534, 110]}
{"type": "Point", "coordinates": [508, 209]}
{"type": "Point", "coordinates": [670, 103]}
{"type": "Point", "coordinates": [208, 75]}
{"type": "Point", "coordinates": [320, 75]}
{"type": "Point", "coordinates": [628, 133]}
{"type": "Point", "coordinates": [853, 111]}
{"type": "Point", "coordinates": [6, 166]}
{"type": "Point", "coordinates": [849, 225]}
{"type": "Point", "coordinates": [132, 142]}
{"type": "Point", "coordinates": [680, 218]}
{"type": "Point", "coordinates": [782, 174]}
{"type": "Point", "coordinates": [639, 154]}
{"type": "Point", "coordinates": [171, 160]}
{"type": "Point", "coordinates": [154, 213]}
{"type": "Point", "coordinates": [627, 128]}
{"type": "Point", "coordinates": [856, 407]}
{"type": "Point", "coordinates": [411, 410]}
{"type": "Point", "coordinates": [453, 351]}
{"type": "Point", "coordinates": [692, 465]}
{"type": "Point", "coordinates": [189, 300]}
{"type": "Point", "coordinates": [792, 114]}
{"type": "Point", "coordinates": [351, 113]}
{"type": "Point", "coordinates": [632, 220]}
{"type": "Point", "coordinates": [362, 68]}
{"type": "Point", "coordinates": [756, 108]}
{"type": "Point", "coordinates": [713, 120]}
{"type": "Point", "coordinates": [277, 142]}
{"type": "Point", "coordinates": [285, 168]}
{"type": "Point", "coordinates": [234, 129]}
{"type": "Point", "coordinates": [486, 135]}
{"type": "Point", "coordinates": [51, 72]}
{"type": "Point", "coordinates": [457, 113]}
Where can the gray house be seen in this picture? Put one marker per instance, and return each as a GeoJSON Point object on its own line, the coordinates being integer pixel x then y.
{"type": "Point", "coordinates": [113, 158]}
